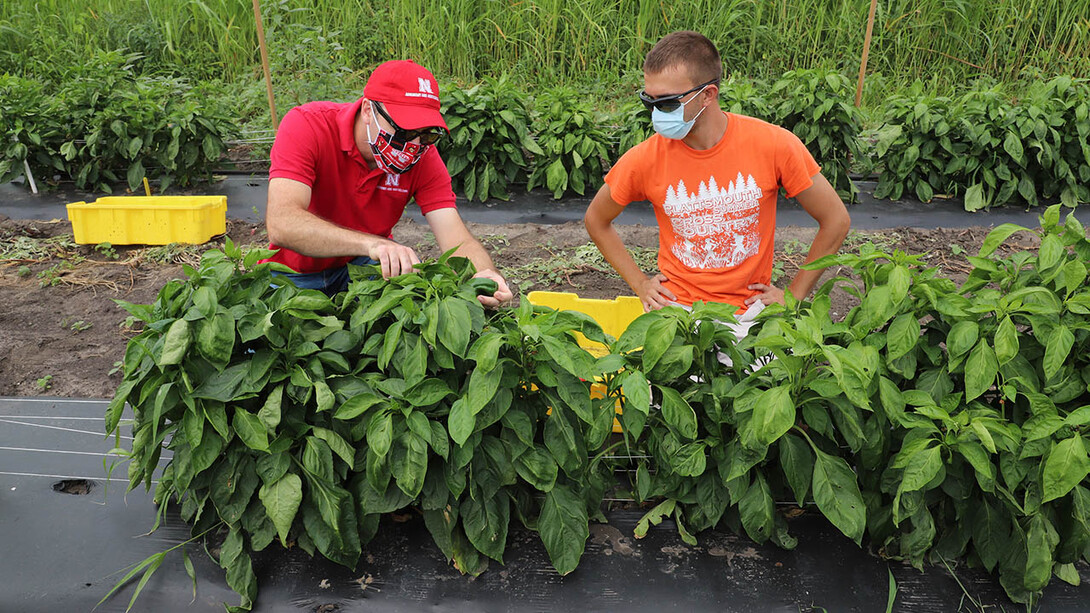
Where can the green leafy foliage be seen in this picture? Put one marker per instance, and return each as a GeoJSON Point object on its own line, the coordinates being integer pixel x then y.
{"type": "Point", "coordinates": [633, 125]}
{"type": "Point", "coordinates": [573, 142]}
{"type": "Point", "coordinates": [295, 416]}
{"type": "Point", "coordinates": [988, 149]}
{"type": "Point", "coordinates": [747, 96]}
{"type": "Point", "coordinates": [817, 106]}
{"type": "Point", "coordinates": [917, 147]}
{"type": "Point", "coordinates": [106, 122]}
{"type": "Point", "coordinates": [27, 129]}
{"type": "Point", "coordinates": [679, 411]}
{"type": "Point", "coordinates": [105, 125]}
{"type": "Point", "coordinates": [490, 141]}
{"type": "Point", "coordinates": [973, 441]}
{"type": "Point", "coordinates": [938, 420]}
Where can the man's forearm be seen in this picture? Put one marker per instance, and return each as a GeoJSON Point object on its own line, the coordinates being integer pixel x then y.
{"type": "Point", "coordinates": [312, 236]}
{"type": "Point", "coordinates": [614, 251]}
{"type": "Point", "coordinates": [827, 241]}
{"type": "Point", "coordinates": [475, 252]}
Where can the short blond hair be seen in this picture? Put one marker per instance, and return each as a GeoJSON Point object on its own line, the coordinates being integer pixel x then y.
{"type": "Point", "coordinates": [690, 50]}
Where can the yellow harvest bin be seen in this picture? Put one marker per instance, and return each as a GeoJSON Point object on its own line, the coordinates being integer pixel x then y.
{"type": "Point", "coordinates": [148, 220]}
{"type": "Point", "coordinates": [613, 315]}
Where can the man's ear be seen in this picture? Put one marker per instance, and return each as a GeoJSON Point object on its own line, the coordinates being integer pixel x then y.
{"type": "Point", "coordinates": [713, 91]}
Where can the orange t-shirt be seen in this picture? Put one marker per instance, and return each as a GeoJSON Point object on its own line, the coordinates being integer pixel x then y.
{"type": "Point", "coordinates": [716, 208]}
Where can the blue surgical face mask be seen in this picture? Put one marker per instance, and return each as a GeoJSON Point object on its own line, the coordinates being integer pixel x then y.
{"type": "Point", "coordinates": [672, 124]}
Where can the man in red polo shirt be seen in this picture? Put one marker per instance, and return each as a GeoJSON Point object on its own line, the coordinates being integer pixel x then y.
{"type": "Point", "coordinates": [342, 174]}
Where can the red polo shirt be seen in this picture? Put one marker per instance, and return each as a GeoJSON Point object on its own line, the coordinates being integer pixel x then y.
{"type": "Point", "coordinates": [315, 145]}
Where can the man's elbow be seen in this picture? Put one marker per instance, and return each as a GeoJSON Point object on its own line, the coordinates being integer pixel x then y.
{"type": "Point", "coordinates": [276, 229]}
{"type": "Point", "coordinates": [273, 232]}
{"type": "Point", "coordinates": [840, 224]}
{"type": "Point", "coordinates": [845, 223]}
{"type": "Point", "coordinates": [593, 223]}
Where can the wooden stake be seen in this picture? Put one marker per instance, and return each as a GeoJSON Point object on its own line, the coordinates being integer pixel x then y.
{"type": "Point", "coordinates": [265, 63]}
{"type": "Point", "coordinates": [866, 52]}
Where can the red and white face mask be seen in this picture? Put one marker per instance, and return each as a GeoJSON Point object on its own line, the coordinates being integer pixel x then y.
{"type": "Point", "coordinates": [393, 155]}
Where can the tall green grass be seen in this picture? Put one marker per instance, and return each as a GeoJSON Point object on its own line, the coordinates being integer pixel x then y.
{"type": "Point", "coordinates": [545, 42]}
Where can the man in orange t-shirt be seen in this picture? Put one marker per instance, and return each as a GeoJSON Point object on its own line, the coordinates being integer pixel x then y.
{"type": "Point", "coordinates": [713, 178]}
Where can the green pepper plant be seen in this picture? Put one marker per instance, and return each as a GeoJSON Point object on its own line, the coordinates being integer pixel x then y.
{"type": "Point", "coordinates": [939, 421]}
{"type": "Point", "coordinates": [975, 446]}
{"type": "Point", "coordinates": [300, 418]}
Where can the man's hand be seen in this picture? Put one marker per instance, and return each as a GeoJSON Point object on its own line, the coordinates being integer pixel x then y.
{"type": "Point", "coordinates": [395, 259]}
{"type": "Point", "coordinates": [654, 295]}
{"type": "Point", "coordinates": [502, 294]}
{"type": "Point", "coordinates": [768, 295]}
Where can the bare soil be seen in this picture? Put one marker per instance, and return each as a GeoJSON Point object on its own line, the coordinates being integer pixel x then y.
{"type": "Point", "coordinates": [62, 334]}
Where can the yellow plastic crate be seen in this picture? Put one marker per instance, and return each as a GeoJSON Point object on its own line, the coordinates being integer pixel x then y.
{"type": "Point", "coordinates": [148, 220]}
{"type": "Point", "coordinates": [613, 315]}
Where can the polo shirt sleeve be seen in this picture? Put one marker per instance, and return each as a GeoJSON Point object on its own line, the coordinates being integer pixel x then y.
{"type": "Point", "coordinates": [431, 183]}
{"type": "Point", "coordinates": [794, 164]}
{"type": "Point", "coordinates": [294, 153]}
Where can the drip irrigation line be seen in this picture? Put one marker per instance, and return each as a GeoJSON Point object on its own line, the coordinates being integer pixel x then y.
{"type": "Point", "coordinates": [98, 434]}
{"type": "Point", "coordinates": [70, 452]}
{"type": "Point", "coordinates": [99, 419]}
{"type": "Point", "coordinates": [21, 399]}
{"type": "Point", "coordinates": [15, 474]}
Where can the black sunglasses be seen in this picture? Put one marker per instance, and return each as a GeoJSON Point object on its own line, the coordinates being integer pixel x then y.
{"type": "Point", "coordinates": [427, 136]}
{"type": "Point", "coordinates": [670, 103]}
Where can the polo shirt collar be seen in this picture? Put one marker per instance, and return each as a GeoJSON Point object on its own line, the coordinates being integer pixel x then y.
{"type": "Point", "coordinates": [346, 127]}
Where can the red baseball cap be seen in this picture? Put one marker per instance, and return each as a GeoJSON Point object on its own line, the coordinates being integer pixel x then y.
{"type": "Point", "coordinates": [409, 93]}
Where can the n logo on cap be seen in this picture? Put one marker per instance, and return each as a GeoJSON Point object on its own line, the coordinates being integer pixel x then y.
{"type": "Point", "coordinates": [425, 85]}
